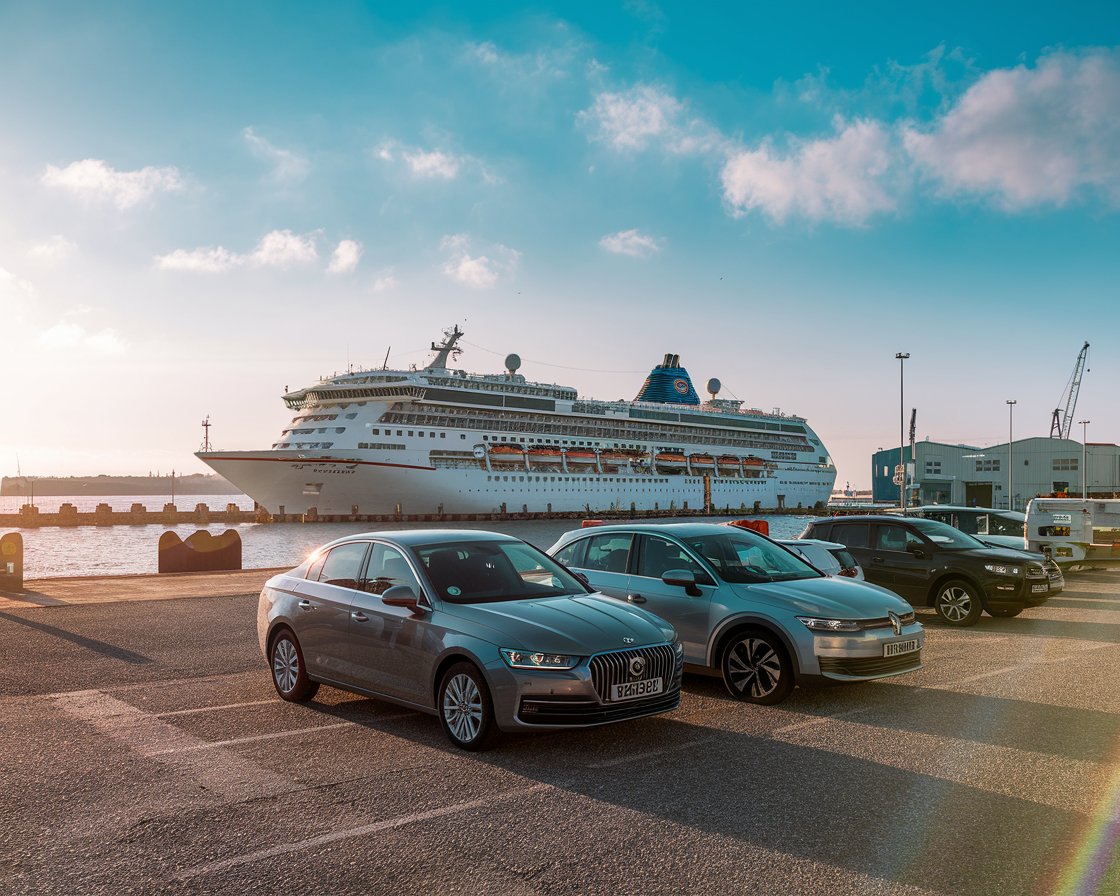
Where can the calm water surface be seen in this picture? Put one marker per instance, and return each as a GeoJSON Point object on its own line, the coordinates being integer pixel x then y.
{"type": "Point", "coordinates": [118, 550]}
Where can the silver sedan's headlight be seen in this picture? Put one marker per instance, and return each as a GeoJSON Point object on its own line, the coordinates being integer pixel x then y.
{"type": "Point", "coordinates": [1002, 569]}
{"type": "Point", "coordinates": [525, 659]}
{"type": "Point", "coordinates": [829, 625]}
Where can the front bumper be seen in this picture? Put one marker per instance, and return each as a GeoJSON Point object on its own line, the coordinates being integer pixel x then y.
{"type": "Point", "coordinates": [861, 656]}
{"type": "Point", "coordinates": [1018, 593]}
{"type": "Point", "coordinates": [528, 699]}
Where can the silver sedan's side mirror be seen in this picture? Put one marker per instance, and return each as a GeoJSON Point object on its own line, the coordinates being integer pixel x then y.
{"type": "Point", "coordinates": [401, 596]}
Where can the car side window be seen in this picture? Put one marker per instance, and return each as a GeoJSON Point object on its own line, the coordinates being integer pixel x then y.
{"type": "Point", "coordinates": [890, 538]}
{"type": "Point", "coordinates": [609, 552]}
{"type": "Point", "coordinates": [822, 531]}
{"type": "Point", "coordinates": [572, 555]}
{"type": "Point", "coordinates": [343, 566]}
{"type": "Point", "coordinates": [660, 554]}
{"type": "Point", "coordinates": [387, 568]}
{"type": "Point", "coordinates": [852, 535]}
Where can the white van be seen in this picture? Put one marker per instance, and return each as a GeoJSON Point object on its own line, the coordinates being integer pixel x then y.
{"type": "Point", "coordinates": [1075, 532]}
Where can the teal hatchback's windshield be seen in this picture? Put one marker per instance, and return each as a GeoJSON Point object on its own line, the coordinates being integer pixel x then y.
{"type": "Point", "coordinates": [742, 557]}
{"type": "Point", "coordinates": [468, 572]}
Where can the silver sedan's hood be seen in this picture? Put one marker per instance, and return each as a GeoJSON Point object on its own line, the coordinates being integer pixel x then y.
{"type": "Point", "coordinates": [835, 598]}
{"type": "Point", "coordinates": [580, 625]}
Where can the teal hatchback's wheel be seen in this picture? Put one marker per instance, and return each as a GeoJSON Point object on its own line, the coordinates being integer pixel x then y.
{"type": "Point", "coordinates": [289, 674]}
{"type": "Point", "coordinates": [756, 668]}
{"type": "Point", "coordinates": [465, 708]}
{"type": "Point", "coordinates": [957, 603]}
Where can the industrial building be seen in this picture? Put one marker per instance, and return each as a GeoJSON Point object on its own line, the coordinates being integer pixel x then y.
{"type": "Point", "coordinates": [965, 474]}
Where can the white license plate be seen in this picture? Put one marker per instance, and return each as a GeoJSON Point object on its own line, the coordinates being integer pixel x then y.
{"type": "Point", "coordinates": [1039, 589]}
{"type": "Point", "coordinates": [632, 690]}
{"type": "Point", "coordinates": [899, 647]}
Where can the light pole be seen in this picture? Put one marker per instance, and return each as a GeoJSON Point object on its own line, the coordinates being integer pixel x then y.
{"type": "Point", "coordinates": [902, 356]}
{"type": "Point", "coordinates": [1010, 469]}
{"type": "Point", "coordinates": [1084, 457]}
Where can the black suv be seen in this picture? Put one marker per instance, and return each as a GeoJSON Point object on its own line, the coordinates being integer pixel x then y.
{"type": "Point", "coordinates": [932, 564]}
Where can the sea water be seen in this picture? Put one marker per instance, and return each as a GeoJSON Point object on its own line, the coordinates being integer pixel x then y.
{"type": "Point", "coordinates": [127, 549]}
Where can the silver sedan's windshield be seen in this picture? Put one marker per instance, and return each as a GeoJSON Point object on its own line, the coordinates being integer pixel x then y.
{"type": "Point", "coordinates": [743, 557]}
{"type": "Point", "coordinates": [468, 572]}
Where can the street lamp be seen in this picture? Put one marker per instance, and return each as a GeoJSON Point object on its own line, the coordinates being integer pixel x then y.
{"type": "Point", "coordinates": [1010, 468]}
{"type": "Point", "coordinates": [1084, 457]}
{"type": "Point", "coordinates": [902, 356]}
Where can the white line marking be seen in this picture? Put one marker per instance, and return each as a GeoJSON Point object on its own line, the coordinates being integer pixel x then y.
{"type": "Point", "coordinates": [820, 720]}
{"type": "Point", "coordinates": [191, 712]}
{"type": "Point", "coordinates": [635, 757]}
{"type": "Point", "coordinates": [387, 824]}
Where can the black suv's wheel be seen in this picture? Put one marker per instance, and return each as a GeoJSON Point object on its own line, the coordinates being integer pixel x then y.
{"type": "Point", "coordinates": [957, 603]}
{"type": "Point", "coordinates": [289, 674]}
{"type": "Point", "coordinates": [756, 667]}
{"type": "Point", "coordinates": [1004, 612]}
{"type": "Point", "coordinates": [465, 709]}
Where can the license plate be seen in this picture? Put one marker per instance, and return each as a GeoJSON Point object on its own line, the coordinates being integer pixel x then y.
{"type": "Point", "coordinates": [632, 690]}
{"type": "Point", "coordinates": [1039, 589]}
{"type": "Point", "coordinates": [898, 647]}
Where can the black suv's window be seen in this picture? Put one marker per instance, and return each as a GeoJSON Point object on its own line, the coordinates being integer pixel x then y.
{"type": "Point", "coordinates": [895, 538]}
{"type": "Point", "coordinates": [945, 536]}
{"type": "Point", "coordinates": [609, 552]}
{"type": "Point", "coordinates": [822, 531]}
{"type": "Point", "coordinates": [853, 535]}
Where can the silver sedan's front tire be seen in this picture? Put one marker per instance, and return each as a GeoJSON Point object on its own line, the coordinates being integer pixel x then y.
{"type": "Point", "coordinates": [465, 708]}
{"type": "Point", "coordinates": [289, 673]}
{"type": "Point", "coordinates": [756, 667]}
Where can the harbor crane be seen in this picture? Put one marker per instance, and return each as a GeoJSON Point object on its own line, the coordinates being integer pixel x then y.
{"type": "Point", "coordinates": [1062, 421]}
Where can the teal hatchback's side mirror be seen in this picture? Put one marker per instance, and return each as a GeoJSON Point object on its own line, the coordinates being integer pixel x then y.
{"type": "Point", "coordinates": [684, 578]}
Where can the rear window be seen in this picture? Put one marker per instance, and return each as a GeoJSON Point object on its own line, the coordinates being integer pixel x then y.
{"type": "Point", "coordinates": [846, 560]}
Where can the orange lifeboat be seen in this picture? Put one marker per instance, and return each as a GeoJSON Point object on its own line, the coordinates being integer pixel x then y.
{"type": "Point", "coordinates": [667, 459]}
{"type": "Point", "coordinates": [754, 461]}
{"type": "Point", "coordinates": [581, 457]}
{"type": "Point", "coordinates": [615, 457]}
{"type": "Point", "coordinates": [544, 455]}
{"type": "Point", "coordinates": [726, 460]}
{"type": "Point", "coordinates": [702, 461]}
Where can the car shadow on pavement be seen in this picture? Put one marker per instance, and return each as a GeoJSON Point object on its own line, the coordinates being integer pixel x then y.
{"type": "Point", "coordinates": [102, 647]}
{"type": "Point", "coordinates": [1063, 603]}
{"type": "Point", "coordinates": [1033, 627]}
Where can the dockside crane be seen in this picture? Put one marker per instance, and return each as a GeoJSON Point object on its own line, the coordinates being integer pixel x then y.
{"type": "Point", "coordinates": [1062, 422]}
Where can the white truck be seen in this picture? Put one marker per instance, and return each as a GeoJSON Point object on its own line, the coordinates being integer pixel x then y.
{"type": "Point", "coordinates": [1076, 533]}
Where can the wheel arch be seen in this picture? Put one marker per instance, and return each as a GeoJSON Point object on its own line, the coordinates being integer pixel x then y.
{"type": "Point", "coordinates": [733, 626]}
{"type": "Point", "coordinates": [456, 655]}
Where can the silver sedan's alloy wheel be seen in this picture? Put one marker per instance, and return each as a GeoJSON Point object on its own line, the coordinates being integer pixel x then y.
{"type": "Point", "coordinates": [285, 666]}
{"type": "Point", "coordinates": [754, 668]}
{"type": "Point", "coordinates": [462, 708]}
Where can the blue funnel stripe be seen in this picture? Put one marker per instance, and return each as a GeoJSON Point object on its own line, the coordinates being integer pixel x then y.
{"type": "Point", "coordinates": [668, 385]}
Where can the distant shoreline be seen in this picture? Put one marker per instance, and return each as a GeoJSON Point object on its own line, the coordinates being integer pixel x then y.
{"type": "Point", "coordinates": [194, 484]}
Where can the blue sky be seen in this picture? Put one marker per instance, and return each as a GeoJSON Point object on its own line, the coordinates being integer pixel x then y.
{"type": "Point", "coordinates": [203, 203]}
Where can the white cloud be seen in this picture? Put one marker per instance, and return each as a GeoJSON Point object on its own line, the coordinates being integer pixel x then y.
{"type": "Point", "coordinates": [69, 335]}
{"type": "Point", "coordinates": [846, 178]}
{"type": "Point", "coordinates": [287, 166]}
{"type": "Point", "coordinates": [278, 249]}
{"type": "Point", "coordinates": [1030, 136]}
{"type": "Point", "coordinates": [433, 164]}
{"type": "Point", "coordinates": [480, 271]}
{"type": "Point", "coordinates": [646, 115]}
{"type": "Point", "coordinates": [345, 257]}
{"type": "Point", "coordinates": [631, 242]}
{"type": "Point", "coordinates": [14, 287]}
{"type": "Point", "coordinates": [385, 281]}
{"type": "Point", "coordinates": [53, 249]}
{"type": "Point", "coordinates": [94, 179]}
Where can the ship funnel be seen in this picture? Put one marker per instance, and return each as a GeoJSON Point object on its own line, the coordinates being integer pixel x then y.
{"type": "Point", "coordinates": [669, 383]}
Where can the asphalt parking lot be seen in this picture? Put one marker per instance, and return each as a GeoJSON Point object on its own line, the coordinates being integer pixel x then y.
{"type": "Point", "coordinates": [143, 749]}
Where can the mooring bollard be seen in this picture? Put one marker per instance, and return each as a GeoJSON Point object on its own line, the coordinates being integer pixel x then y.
{"type": "Point", "coordinates": [201, 552]}
{"type": "Point", "coordinates": [11, 562]}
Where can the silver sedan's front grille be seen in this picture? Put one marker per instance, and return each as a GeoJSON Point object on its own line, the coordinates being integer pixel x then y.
{"type": "Point", "coordinates": [609, 669]}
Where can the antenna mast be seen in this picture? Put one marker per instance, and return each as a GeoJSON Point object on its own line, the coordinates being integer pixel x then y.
{"type": "Point", "coordinates": [1062, 423]}
{"type": "Point", "coordinates": [206, 433]}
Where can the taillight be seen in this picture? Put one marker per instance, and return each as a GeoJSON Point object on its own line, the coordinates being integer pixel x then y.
{"type": "Point", "coordinates": [848, 571]}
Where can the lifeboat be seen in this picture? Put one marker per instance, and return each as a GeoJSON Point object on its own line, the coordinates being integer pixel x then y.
{"type": "Point", "coordinates": [544, 455]}
{"type": "Point", "coordinates": [506, 453]}
{"type": "Point", "coordinates": [666, 459]}
{"type": "Point", "coordinates": [581, 457]}
{"type": "Point", "coordinates": [702, 461]}
{"type": "Point", "coordinates": [615, 457]}
{"type": "Point", "coordinates": [726, 460]}
{"type": "Point", "coordinates": [754, 461]}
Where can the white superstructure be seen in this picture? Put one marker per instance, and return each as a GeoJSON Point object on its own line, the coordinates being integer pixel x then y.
{"type": "Point", "coordinates": [439, 440]}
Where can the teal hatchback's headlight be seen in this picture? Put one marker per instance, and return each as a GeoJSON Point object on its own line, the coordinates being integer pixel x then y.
{"type": "Point", "coordinates": [525, 659]}
{"type": "Point", "coordinates": [829, 625]}
{"type": "Point", "coordinates": [1002, 569]}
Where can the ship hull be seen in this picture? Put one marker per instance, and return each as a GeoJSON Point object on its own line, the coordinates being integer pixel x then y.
{"type": "Point", "coordinates": [351, 484]}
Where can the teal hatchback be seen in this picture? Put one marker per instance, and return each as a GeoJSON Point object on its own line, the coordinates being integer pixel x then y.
{"type": "Point", "coordinates": [748, 608]}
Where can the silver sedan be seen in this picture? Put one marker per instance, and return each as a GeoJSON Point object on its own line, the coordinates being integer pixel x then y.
{"type": "Point", "coordinates": [481, 629]}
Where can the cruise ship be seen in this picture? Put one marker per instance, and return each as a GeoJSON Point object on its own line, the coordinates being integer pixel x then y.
{"type": "Point", "coordinates": [439, 440]}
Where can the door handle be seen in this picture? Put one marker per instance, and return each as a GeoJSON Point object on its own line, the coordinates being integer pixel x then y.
{"type": "Point", "coordinates": [876, 559]}
{"type": "Point", "coordinates": [635, 599]}
{"type": "Point", "coordinates": [359, 616]}
{"type": "Point", "coordinates": [306, 605]}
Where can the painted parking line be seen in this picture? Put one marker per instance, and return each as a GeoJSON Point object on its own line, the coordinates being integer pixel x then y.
{"type": "Point", "coordinates": [650, 754]}
{"type": "Point", "coordinates": [222, 708]}
{"type": "Point", "coordinates": [819, 720]}
{"type": "Point", "coordinates": [349, 833]}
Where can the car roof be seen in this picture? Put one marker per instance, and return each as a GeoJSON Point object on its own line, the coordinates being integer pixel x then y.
{"type": "Point", "coordinates": [680, 530]}
{"type": "Point", "coordinates": [412, 537]}
{"type": "Point", "coordinates": [862, 518]}
{"type": "Point", "coordinates": [827, 545]}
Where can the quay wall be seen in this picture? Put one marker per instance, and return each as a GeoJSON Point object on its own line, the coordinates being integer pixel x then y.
{"type": "Point", "coordinates": [30, 517]}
